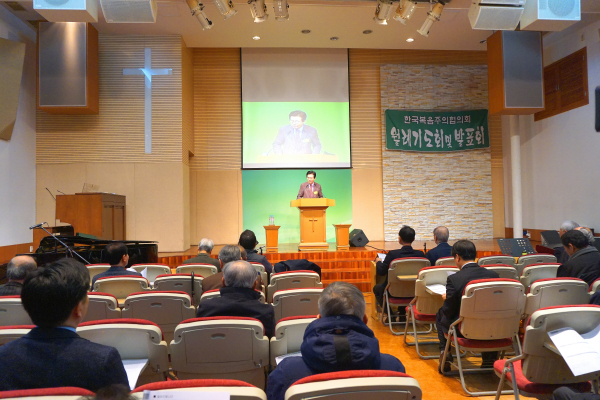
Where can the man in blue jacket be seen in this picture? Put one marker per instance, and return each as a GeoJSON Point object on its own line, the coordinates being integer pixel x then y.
{"type": "Point", "coordinates": [442, 248]}
{"type": "Point", "coordinates": [338, 340]}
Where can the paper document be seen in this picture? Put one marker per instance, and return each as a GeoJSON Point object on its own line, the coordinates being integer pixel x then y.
{"type": "Point", "coordinates": [185, 395]}
{"type": "Point", "coordinates": [281, 358]}
{"type": "Point", "coordinates": [145, 272]}
{"type": "Point", "coordinates": [134, 368]}
{"type": "Point", "coordinates": [381, 256]}
{"type": "Point", "coordinates": [436, 288]}
{"type": "Point", "coordinates": [580, 352]}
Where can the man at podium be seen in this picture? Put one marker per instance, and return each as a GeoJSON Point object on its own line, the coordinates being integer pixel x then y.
{"type": "Point", "coordinates": [310, 189]}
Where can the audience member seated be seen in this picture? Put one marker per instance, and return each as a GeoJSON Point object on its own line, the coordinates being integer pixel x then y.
{"type": "Point", "coordinates": [16, 271]}
{"type": "Point", "coordinates": [227, 254]}
{"type": "Point", "coordinates": [584, 260]}
{"type": "Point", "coordinates": [117, 257]}
{"type": "Point", "coordinates": [248, 242]}
{"type": "Point", "coordinates": [205, 247]}
{"type": "Point", "coordinates": [464, 253]}
{"type": "Point", "coordinates": [52, 354]}
{"type": "Point", "coordinates": [442, 248]}
{"type": "Point", "coordinates": [565, 393]}
{"type": "Point", "coordinates": [405, 237]}
{"type": "Point", "coordinates": [338, 340]}
{"type": "Point", "coordinates": [589, 235]}
{"type": "Point", "coordinates": [238, 297]}
{"type": "Point", "coordinates": [560, 253]}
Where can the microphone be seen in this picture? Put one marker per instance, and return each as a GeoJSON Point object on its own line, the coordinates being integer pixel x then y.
{"type": "Point", "coordinates": [36, 226]}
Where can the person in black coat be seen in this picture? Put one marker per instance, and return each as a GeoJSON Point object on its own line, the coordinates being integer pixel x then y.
{"type": "Point", "coordinates": [405, 237]}
{"type": "Point", "coordinates": [53, 354]}
{"type": "Point", "coordinates": [442, 249]}
{"type": "Point", "coordinates": [239, 297]}
{"type": "Point", "coordinates": [16, 271]}
{"type": "Point", "coordinates": [464, 253]}
{"type": "Point", "coordinates": [118, 258]}
{"type": "Point", "coordinates": [584, 260]}
{"type": "Point", "coordinates": [559, 252]}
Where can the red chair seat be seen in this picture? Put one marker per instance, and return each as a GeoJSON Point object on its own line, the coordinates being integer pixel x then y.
{"type": "Point", "coordinates": [399, 300]}
{"type": "Point", "coordinates": [526, 385]}
{"type": "Point", "coordinates": [482, 344]}
{"type": "Point", "coordinates": [422, 317]}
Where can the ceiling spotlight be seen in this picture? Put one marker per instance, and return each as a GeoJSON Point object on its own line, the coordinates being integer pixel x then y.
{"type": "Point", "coordinates": [405, 10]}
{"type": "Point", "coordinates": [225, 8]}
{"type": "Point", "coordinates": [281, 10]}
{"type": "Point", "coordinates": [432, 16]}
{"type": "Point", "coordinates": [256, 37]}
{"type": "Point", "coordinates": [305, 31]}
{"type": "Point", "coordinates": [367, 32]}
{"type": "Point", "coordinates": [384, 11]}
{"type": "Point", "coordinates": [334, 38]}
{"type": "Point", "coordinates": [258, 10]}
{"type": "Point", "coordinates": [409, 40]}
{"type": "Point", "coordinates": [197, 10]}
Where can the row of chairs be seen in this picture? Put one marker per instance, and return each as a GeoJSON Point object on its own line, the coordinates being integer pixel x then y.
{"type": "Point", "coordinates": [201, 348]}
{"type": "Point", "coordinates": [519, 264]}
{"type": "Point", "coordinates": [350, 385]}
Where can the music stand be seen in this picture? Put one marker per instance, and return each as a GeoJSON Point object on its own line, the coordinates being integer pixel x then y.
{"type": "Point", "coordinates": [516, 247]}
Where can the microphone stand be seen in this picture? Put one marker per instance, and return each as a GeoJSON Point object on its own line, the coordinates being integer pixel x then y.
{"type": "Point", "coordinates": [69, 250]}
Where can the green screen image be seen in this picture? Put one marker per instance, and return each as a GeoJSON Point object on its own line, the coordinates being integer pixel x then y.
{"type": "Point", "coordinates": [263, 120]}
{"type": "Point", "coordinates": [269, 192]}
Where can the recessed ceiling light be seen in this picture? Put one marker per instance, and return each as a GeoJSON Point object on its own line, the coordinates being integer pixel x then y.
{"type": "Point", "coordinates": [410, 40]}
{"type": "Point", "coordinates": [334, 38]}
{"type": "Point", "coordinates": [305, 31]}
{"type": "Point", "coordinates": [256, 37]}
{"type": "Point", "coordinates": [367, 31]}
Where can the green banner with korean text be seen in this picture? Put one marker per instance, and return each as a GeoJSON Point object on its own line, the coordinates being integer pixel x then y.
{"type": "Point", "coordinates": [436, 130]}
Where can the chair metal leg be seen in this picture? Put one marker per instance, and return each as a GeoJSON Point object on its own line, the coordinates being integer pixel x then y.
{"type": "Point", "coordinates": [410, 318]}
{"type": "Point", "coordinates": [387, 301]}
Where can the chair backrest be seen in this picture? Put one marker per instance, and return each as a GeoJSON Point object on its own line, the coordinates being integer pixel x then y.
{"type": "Point", "coordinates": [95, 269]}
{"type": "Point", "coordinates": [556, 292]}
{"type": "Point", "coordinates": [497, 259]}
{"type": "Point", "coordinates": [503, 270]}
{"type": "Point", "coordinates": [181, 283]}
{"type": "Point", "coordinates": [403, 274]}
{"type": "Point", "coordinates": [295, 302]}
{"type": "Point", "coordinates": [533, 272]}
{"type": "Point", "coordinates": [57, 393]}
{"type": "Point", "coordinates": [539, 258]}
{"type": "Point", "coordinates": [356, 385]}
{"type": "Point", "coordinates": [121, 286]}
{"type": "Point", "coordinates": [12, 312]}
{"type": "Point", "coordinates": [166, 309]}
{"type": "Point", "coordinates": [204, 270]}
{"type": "Point", "coordinates": [237, 390]}
{"type": "Point", "coordinates": [152, 270]}
{"type": "Point", "coordinates": [211, 294]}
{"type": "Point", "coordinates": [292, 280]}
{"type": "Point", "coordinates": [426, 302]}
{"type": "Point", "coordinates": [491, 309]}
{"type": "Point", "coordinates": [445, 261]}
{"type": "Point", "coordinates": [263, 274]}
{"type": "Point", "coordinates": [594, 286]}
{"type": "Point", "coordinates": [13, 332]}
{"type": "Point", "coordinates": [289, 334]}
{"type": "Point", "coordinates": [134, 339]}
{"type": "Point", "coordinates": [102, 306]}
{"type": "Point", "coordinates": [542, 365]}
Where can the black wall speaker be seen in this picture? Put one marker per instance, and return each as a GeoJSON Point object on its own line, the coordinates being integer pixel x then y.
{"type": "Point", "coordinates": [598, 109]}
{"type": "Point", "coordinates": [358, 238]}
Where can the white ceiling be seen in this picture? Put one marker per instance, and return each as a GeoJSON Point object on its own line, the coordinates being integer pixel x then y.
{"type": "Point", "coordinates": [324, 18]}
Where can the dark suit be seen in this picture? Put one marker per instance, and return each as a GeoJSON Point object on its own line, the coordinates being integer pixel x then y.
{"type": "Point", "coordinates": [253, 256]}
{"type": "Point", "coordinates": [561, 255]}
{"type": "Point", "coordinates": [584, 264]}
{"type": "Point", "coordinates": [203, 258]}
{"type": "Point", "coordinates": [239, 302]}
{"type": "Point", "coordinates": [306, 193]}
{"type": "Point", "coordinates": [384, 266]}
{"type": "Point", "coordinates": [11, 289]}
{"type": "Point", "coordinates": [441, 250]}
{"type": "Point", "coordinates": [114, 271]}
{"type": "Point", "coordinates": [290, 142]}
{"type": "Point", "coordinates": [455, 285]}
{"type": "Point", "coordinates": [55, 357]}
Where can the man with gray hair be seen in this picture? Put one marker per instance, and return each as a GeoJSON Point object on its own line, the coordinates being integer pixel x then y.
{"type": "Point", "coordinates": [443, 249]}
{"type": "Point", "coordinates": [16, 271]}
{"type": "Point", "coordinates": [239, 297]}
{"type": "Point", "coordinates": [561, 255]}
{"type": "Point", "coordinates": [338, 340]}
{"type": "Point", "coordinates": [205, 247]}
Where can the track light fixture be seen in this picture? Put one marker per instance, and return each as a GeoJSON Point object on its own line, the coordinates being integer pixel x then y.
{"type": "Point", "coordinates": [432, 16]}
{"type": "Point", "coordinates": [281, 10]}
{"type": "Point", "coordinates": [384, 11]}
{"type": "Point", "coordinates": [258, 10]}
{"type": "Point", "coordinates": [225, 8]}
{"type": "Point", "coordinates": [405, 10]}
{"type": "Point", "coordinates": [197, 10]}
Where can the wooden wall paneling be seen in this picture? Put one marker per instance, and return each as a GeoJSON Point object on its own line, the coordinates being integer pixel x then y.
{"type": "Point", "coordinates": [8, 252]}
{"type": "Point", "coordinates": [495, 127]}
{"type": "Point", "coordinates": [187, 101]}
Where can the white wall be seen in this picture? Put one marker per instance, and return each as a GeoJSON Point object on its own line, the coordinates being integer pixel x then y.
{"type": "Point", "coordinates": [560, 155]}
{"type": "Point", "coordinates": [17, 157]}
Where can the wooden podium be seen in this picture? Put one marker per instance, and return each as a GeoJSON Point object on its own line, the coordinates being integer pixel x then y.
{"type": "Point", "coordinates": [312, 222]}
{"type": "Point", "coordinates": [98, 214]}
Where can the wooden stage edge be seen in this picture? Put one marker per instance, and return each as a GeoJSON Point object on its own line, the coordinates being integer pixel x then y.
{"type": "Point", "coordinates": [352, 266]}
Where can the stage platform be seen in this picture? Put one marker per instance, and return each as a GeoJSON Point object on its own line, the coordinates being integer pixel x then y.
{"type": "Point", "coordinates": [352, 266]}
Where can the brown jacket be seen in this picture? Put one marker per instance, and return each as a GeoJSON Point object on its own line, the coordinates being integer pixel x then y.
{"type": "Point", "coordinates": [306, 193]}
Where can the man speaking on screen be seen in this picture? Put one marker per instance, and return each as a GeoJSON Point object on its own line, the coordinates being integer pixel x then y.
{"type": "Point", "coordinates": [310, 189]}
{"type": "Point", "coordinates": [297, 137]}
